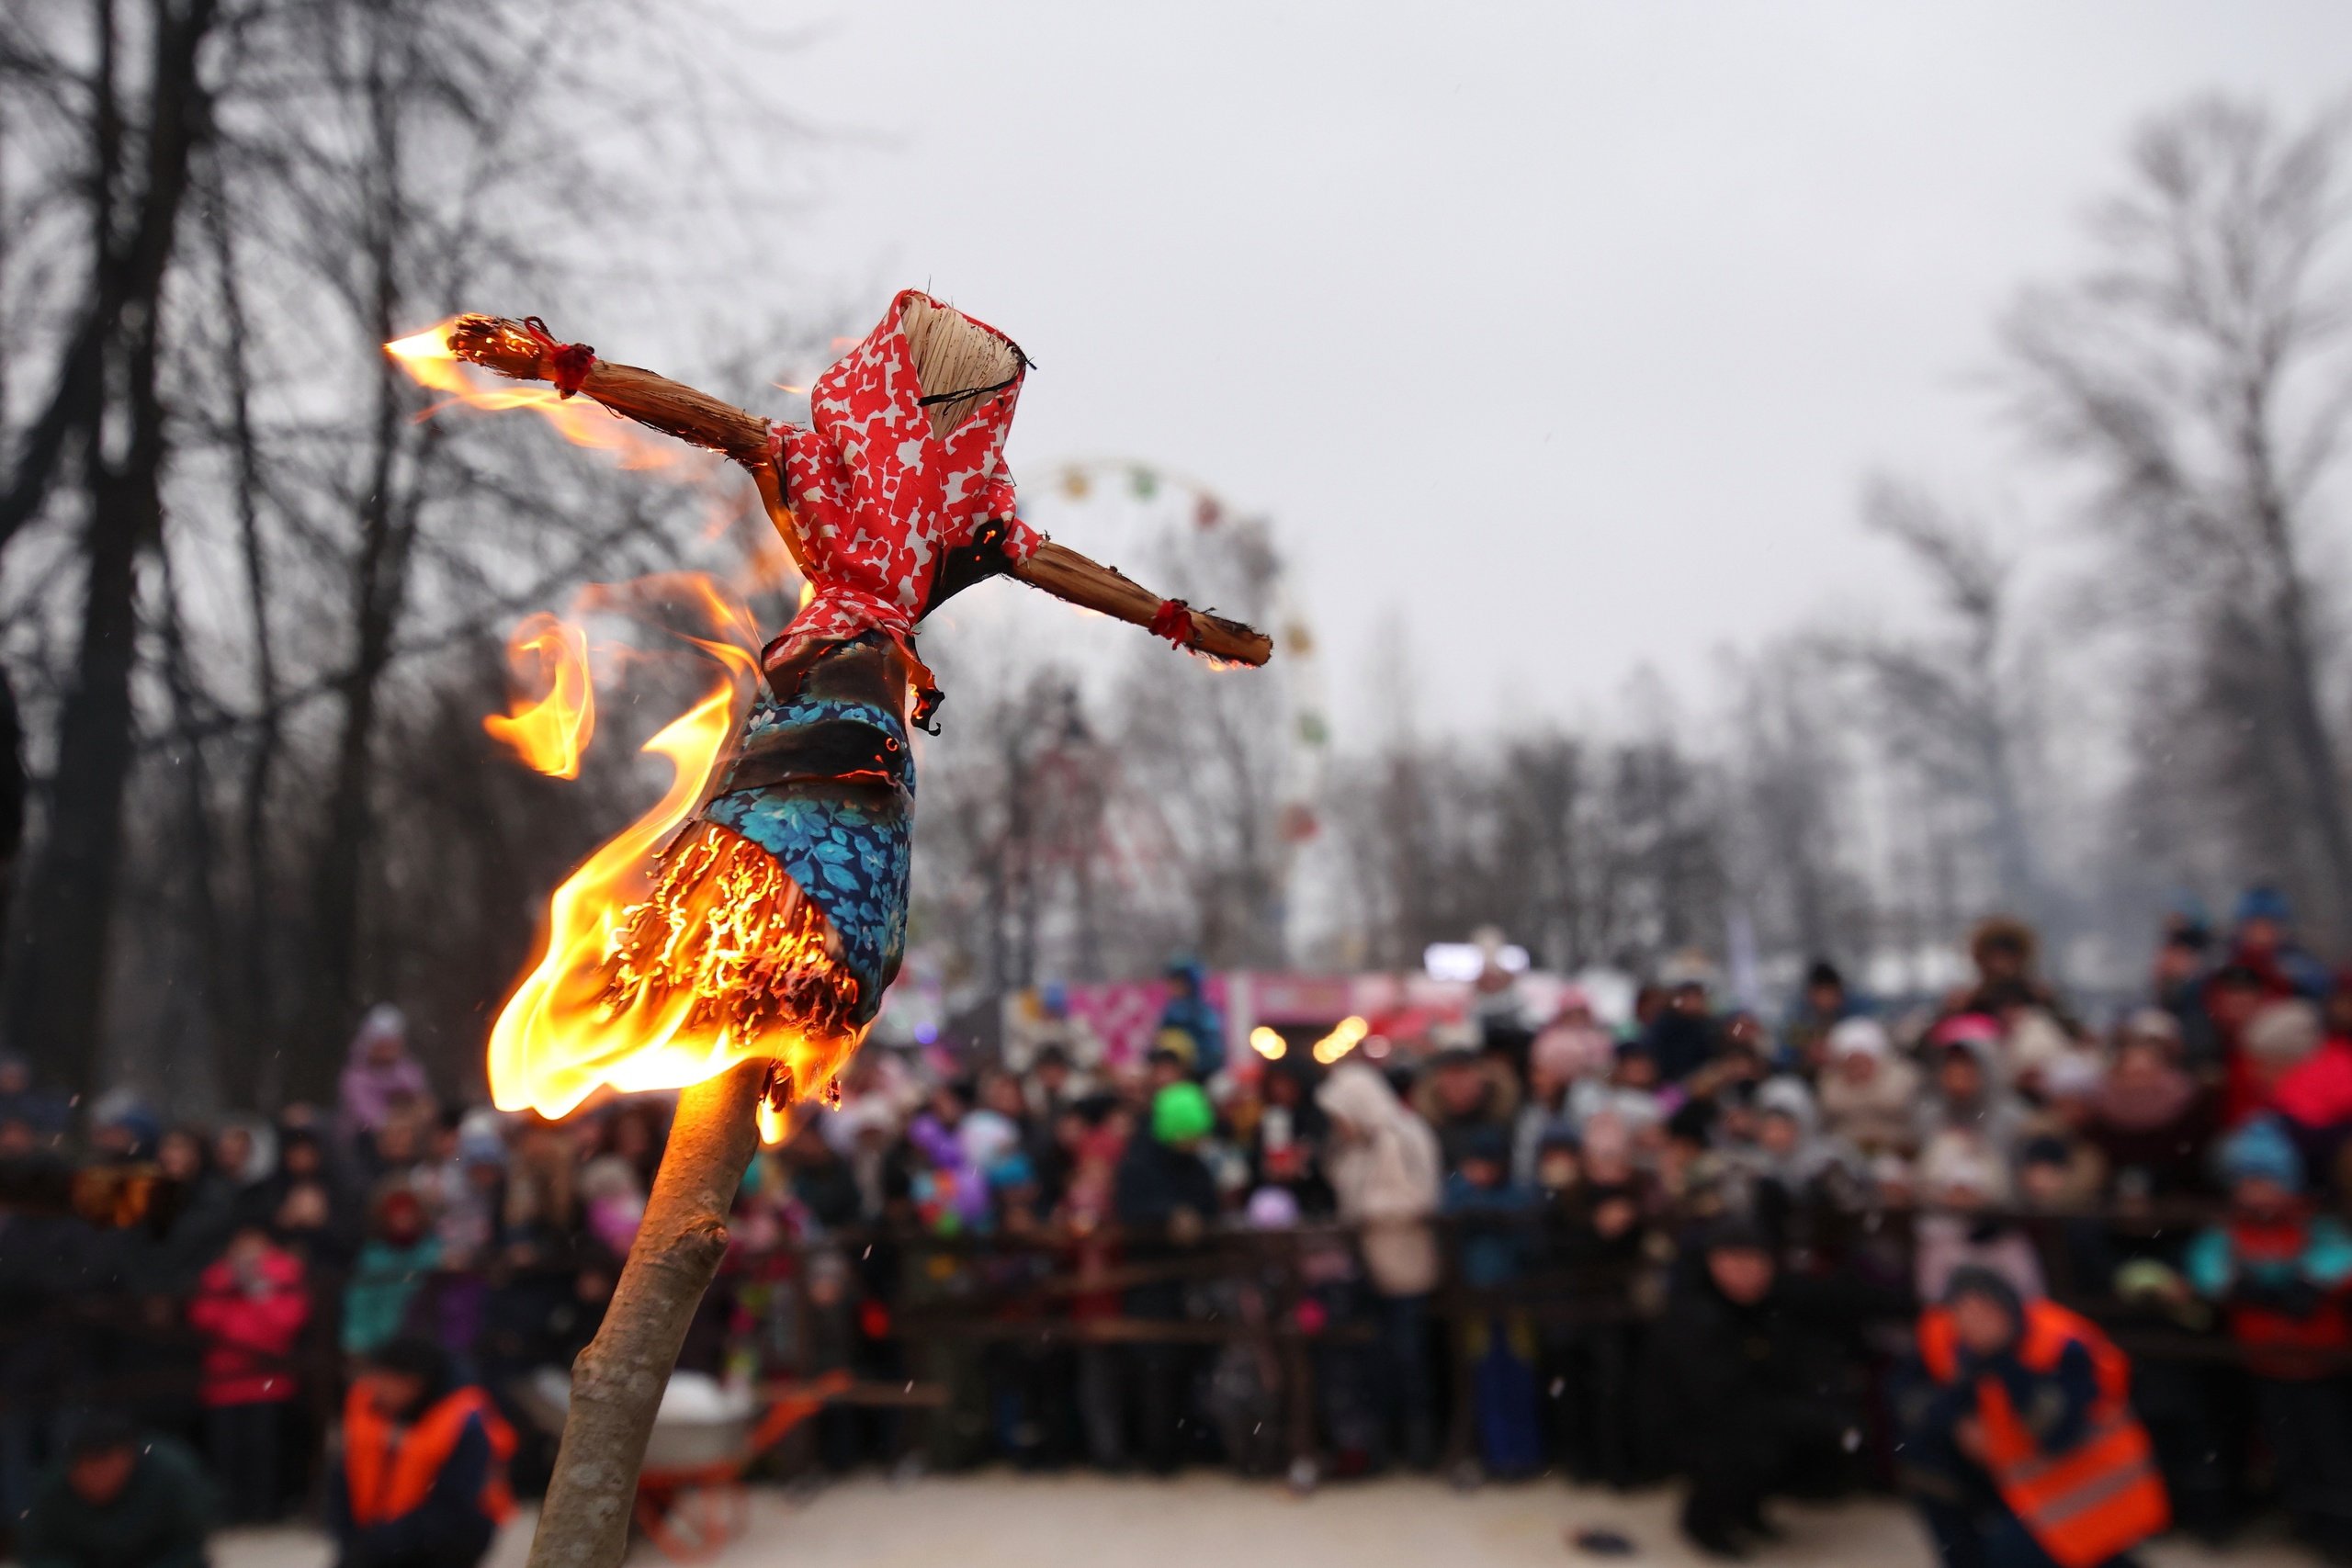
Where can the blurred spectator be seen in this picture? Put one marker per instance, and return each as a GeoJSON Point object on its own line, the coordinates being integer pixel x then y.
{"type": "Point", "coordinates": [2149, 1116]}
{"type": "Point", "coordinates": [1498, 1346]}
{"type": "Point", "coordinates": [1189, 1025]}
{"type": "Point", "coordinates": [2177, 988]}
{"type": "Point", "coordinates": [1465, 1094]}
{"type": "Point", "coordinates": [1384, 1168]}
{"type": "Point", "coordinates": [2019, 1444]}
{"type": "Point", "coordinates": [1757, 1391]}
{"type": "Point", "coordinates": [382, 1081]}
{"type": "Point", "coordinates": [123, 1498]}
{"type": "Point", "coordinates": [389, 1270]}
{"type": "Point", "coordinates": [2007, 954]}
{"type": "Point", "coordinates": [1165, 1190]}
{"type": "Point", "coordinates": [2278, 1040]}
{"type": "Point", "coordinates": [1683, 1037]}
{"type": "Point", "coordinates": [1285, 1148]}
{"type": "Point", "coordinates": [1571, 1050]}
{"type": "Point", "coordinates": [2282, 1272]}
{"type": "Point", "coordinates": [244, 1152]}
{"type": "Point", "coordinates": [1823, 1003]}
{"type": "Point", "coordinates": [1044, 1023]}
{"type": "Point", "coordinates": [42, 1112]}
{"type": "Point", "coordinates": [423, 1482]}
{"type": "Point", "coordinates": [2263, 942]}
{"type": "Point", "coordinates": [1968, 1093]}
{"type": "Point", "coordinates": [1965, 1181]}
{"type": "Point", "coordinates": [1870, 1097]}
{"type": "Point", "coordinates": [250, 1306]}
{"type": "Point", "coordinates": [2315, 1094]}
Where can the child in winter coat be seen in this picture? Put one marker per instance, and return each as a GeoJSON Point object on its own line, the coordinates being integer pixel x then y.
{"type": "Point", "coordinates": [1494, 1218]}
{"type": "Point", "coordinates": [250, 1307]}
{"type": "Point", "coordinates": [2281, 1272]}
{"type": "Point", "coordinates": [399, 1256]}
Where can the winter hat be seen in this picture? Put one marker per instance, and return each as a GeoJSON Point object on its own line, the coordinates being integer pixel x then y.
{"type": "Point", "coordinates": [2263, 902]}
{"type": "Point", "coordinates": [1786, 1096]}
{"type": "Point", "coordinates": [1859, 1037]}
{"type": "Point", "coordinates": [2073, 1075]}
{"type": "Point", "coordinates": [1975, 1279]}
{"type": "Point", "coordinates": [1957, 1160]}
{"type": "Point", "coordinates": [2284, 1033]}
{"type": "Point", "coordinates": [2261, 1148]}
{"type": "Point", "coordinates": [478, 1142]}
{"type": "Point", "coordinates": [1182, 1112]}
{"type": "Point", "coordinates": [1272, 1209]}
{"type": "Point", "coordinates": [1978, 1031]}
{"type": "Point", "coordinates": [1486, 1142]}
{"type": "Point", "coordinates": [2153, 1025]}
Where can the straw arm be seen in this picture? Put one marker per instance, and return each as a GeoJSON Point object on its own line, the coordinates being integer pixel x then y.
{"type": "Point", "coordinates": [1066, 574]}
{"type": "Point", "coordinates": [511, 349]}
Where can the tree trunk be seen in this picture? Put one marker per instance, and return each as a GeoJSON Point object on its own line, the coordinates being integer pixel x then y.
{"type": "Point", "coordinates": [616, 1384]}
{"type": "Point", "coordinates": [378, 597]}
{"type": "Point", "coordinates": [58, 982]}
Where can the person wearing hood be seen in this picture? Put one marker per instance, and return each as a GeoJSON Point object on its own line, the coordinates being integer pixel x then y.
{"type": "Point", "coordinates": [1191, 1019]}
{"type": "Point", "coordinates": [245, 1153]}
{"type": "Point", "coordinates": [1962, 1181]}
{"type": "Point", "coordinates": [2282, 1273]}
{"type": "Point", "coordinates": [1869, 1096]}
{"type": "Point", "coordinates": [382, 1081]}
{"type": "Point", "coordinates": [1465, 1094]}
{"type": "Point", "coordinates": [1969, 1093]}
{"type": "Point", "coordinates": [1384, 1166]}
{"type": "Point", "coordinates": [2263, 941]}
{"type": "Point", "coordinates": [2007, 954]}
{"type": "Point", "coordinates": [424, 1480]}
{"type": "Point", "coordinates": [1570, 1050]}
{"type": "Point", "coordinates": [308, 1204]}
{"type": "Point", "coordinates": [123, 1498]}
{"type": "Point", "coordinates": [1823, 1004]}
{"type": "Point", "coordinates": [251, 1307]}
{"type": "Point", "coordinates": [1495, 1221]}
{"type": "Point", "coordinates": [2148, 1115]}
{"type": "Point", "coordinates": [2019, 1443]}
{"type": "Point", "coordinates": [1683, 1037]}
{"type": "Point", "coordinates": [1759, 1388]}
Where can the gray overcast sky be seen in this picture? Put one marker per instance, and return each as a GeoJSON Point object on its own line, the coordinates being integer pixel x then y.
{"type": "Point", "coordinates": [1569, 329]}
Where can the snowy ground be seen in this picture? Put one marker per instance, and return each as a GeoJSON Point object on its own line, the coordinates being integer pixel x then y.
{"type": "Point", "coordinates": [1083, 1521]}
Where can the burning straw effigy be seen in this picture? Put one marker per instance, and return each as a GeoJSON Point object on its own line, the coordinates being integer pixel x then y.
{"type": "Point", "coordinates": [769, 887]}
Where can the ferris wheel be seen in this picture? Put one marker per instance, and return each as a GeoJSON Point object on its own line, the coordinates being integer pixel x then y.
{"type": "Point", "coordinates": [1188, 541]}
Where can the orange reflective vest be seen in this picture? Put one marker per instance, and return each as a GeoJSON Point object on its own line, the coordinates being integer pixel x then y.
{"type": "Point", "coordinates": [2099, 1498]}
{"type": "Point", "coordinates": [389, 1471]}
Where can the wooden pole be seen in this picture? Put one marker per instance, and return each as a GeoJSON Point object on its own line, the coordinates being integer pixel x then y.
{"type": "Point", "coordinates": [617, 1382]}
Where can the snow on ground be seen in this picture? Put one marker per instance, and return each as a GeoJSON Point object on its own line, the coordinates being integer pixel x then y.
{"type": "Point", "coordinates": [997, 1520]}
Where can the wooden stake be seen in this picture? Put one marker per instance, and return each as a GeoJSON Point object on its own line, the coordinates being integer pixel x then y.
{"type": "Point", "coordinates": [617, 1381]}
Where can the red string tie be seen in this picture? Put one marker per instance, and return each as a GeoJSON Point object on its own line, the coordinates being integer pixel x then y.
{"type": "Point", "coordinates": [565, 364]}
{"type": "Point", "coordinates": [1174, 620]}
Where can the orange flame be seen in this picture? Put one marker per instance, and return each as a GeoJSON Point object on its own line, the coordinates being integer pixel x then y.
{"type": "Point", "coordinates": [666, 962]}
{"type": "Point", "coordinates": [548, 734]}
{"type": "Point", "coordinates": [426, 357]}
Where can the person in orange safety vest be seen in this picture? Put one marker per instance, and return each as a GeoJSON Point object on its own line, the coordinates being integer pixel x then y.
{"type": "Point", "coordinates": [2020, 1445]}
{"type": "Point", "coordinates": [423, 1482]}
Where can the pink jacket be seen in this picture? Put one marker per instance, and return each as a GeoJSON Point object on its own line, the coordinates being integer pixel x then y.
{"type": "Point", "coordinates": [249, 1335]}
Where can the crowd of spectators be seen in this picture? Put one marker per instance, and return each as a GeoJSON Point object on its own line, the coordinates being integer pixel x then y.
{"type": "Point", "coordinates": [1697, 1243]}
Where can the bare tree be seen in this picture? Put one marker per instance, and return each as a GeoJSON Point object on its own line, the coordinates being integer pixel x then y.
{"type": "Point", "coordinates": [2195, 370]}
